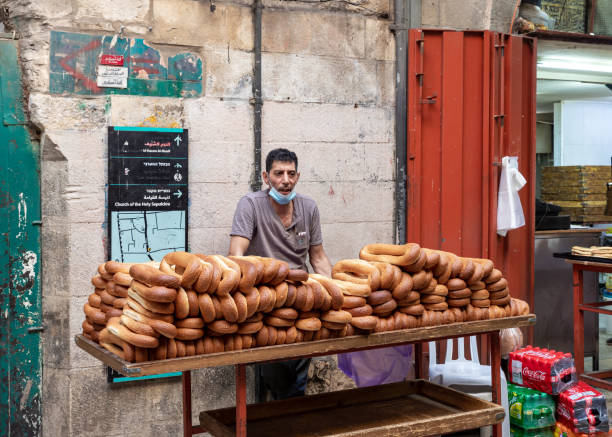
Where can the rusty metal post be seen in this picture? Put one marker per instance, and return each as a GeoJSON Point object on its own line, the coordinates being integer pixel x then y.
{"type": "Point", "coordinates": [241, 410]}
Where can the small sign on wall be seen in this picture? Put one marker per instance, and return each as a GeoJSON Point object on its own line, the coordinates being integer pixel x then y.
{"type": "Point", "coordinates": [116, 60]}
{"type": "Point", "coordinates": [112, 77]}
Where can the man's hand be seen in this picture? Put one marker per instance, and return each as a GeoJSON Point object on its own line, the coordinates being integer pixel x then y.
{"type": "Point", "coordinates": [238, 245]}
{"type": "Point", "coordinates": [319, 261]}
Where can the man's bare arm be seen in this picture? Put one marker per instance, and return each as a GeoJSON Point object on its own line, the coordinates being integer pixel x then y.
{"type": "Point", "coordinates": [319, 261]}
{"type": "Point", "coordinates": [238, 245]}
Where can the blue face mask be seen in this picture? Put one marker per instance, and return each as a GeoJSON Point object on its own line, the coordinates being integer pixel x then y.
{"type": "Point", "coordinates": [281, 199]}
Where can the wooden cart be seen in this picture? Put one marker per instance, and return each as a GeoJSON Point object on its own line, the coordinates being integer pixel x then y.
{"type": "Point", "coordinates": [415, 408]}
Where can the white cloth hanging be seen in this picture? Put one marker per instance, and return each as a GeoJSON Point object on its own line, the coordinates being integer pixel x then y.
{"type": "Point", "coordinates": [509, 208]}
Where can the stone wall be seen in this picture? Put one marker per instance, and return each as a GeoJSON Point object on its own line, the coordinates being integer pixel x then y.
{"type": "Point", "coordinates": [328, 90]}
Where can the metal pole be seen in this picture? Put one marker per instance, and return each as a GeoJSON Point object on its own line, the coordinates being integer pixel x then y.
{"type": "Point", "coordinates": [256, 100]}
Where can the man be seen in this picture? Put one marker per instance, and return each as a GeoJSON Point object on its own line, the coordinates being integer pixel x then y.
{"type": "Point", "coordinates": [279, 223]}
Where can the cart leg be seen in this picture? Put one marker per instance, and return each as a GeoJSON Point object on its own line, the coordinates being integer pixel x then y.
{"type": "Point", "coordinates": [418, 360]}
{"type": "Point", "coordinates": [241, 411]}
{"type": "Point", "coordinates": [578, 321]}
{"type": "Point", "coordinates": [495, 351]}
{"type": "Point", "coordinates": [187, 426]}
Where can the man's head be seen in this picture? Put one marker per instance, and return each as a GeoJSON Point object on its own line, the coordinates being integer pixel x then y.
{"type": "Point", "coordinates": [281, 173]}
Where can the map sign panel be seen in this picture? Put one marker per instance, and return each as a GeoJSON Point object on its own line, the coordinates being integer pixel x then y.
{"type": "Point", "coordinates": [147, 192]}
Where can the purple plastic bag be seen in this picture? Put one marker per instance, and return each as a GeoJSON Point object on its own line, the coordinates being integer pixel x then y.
{"type": "Point", "coordinates": [377, 366]}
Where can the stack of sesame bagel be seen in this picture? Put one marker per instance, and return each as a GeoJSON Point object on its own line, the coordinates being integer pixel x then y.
{"type": "Point", "coordinates": [191, 304]}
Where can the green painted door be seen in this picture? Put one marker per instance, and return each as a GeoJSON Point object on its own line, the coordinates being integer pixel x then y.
{"type": "Point", "coordinates": [20, 300]}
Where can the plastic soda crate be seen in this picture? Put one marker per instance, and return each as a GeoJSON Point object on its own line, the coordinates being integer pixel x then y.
{"type": "Point", "coordinates": [515, 431]}
{"type": "Point", "coordinates": [542, 369]}
{"type": "Point", "coordinates": [530, 409]}
{"type": "Point", "coordinates": [582, 409]}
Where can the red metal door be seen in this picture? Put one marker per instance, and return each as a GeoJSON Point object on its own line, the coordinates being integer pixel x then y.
{"type": "Point", "coordinates": [471, 101]}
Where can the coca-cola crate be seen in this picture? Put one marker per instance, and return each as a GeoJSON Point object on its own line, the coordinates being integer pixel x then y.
{"type": "Point", "coordinates": [542, 369]}
{"type": "Point", "coordinates": [583, 409]}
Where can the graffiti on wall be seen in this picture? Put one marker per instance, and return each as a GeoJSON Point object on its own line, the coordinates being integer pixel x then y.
{"type": "Point", "coordinates": [75, 59]}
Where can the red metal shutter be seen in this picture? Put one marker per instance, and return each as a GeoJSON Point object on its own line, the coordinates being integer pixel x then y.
{"type": "Point", "coordinates": [471, 101]}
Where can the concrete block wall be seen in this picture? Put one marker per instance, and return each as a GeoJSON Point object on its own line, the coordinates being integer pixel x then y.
{"type": "Point", "coordinates": [328, 89]}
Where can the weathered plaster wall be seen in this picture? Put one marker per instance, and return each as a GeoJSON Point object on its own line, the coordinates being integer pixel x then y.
{"type": "Point", "coordinates": [493, 15]}
{"type": "Point", "coordinates": [328, 89]}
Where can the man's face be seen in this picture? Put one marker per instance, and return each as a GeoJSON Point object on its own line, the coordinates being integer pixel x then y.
{"type": "Point", "coordinates": [282, 176]}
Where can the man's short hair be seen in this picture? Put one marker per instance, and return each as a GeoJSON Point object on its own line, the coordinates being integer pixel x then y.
{"type": "Point", "coordinates": [282, 155]}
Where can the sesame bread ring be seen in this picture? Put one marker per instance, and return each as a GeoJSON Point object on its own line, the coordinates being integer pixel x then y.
{"type": "Point", "coordinates": [421, 279]}
{"type": "Point", "coordinates": [113, 267]}
{"type": "Point", "coordinates": [87, 327]}
{"type": "Point", "coordinates": [456, 265]}
{"type": "Point", "coordinates": [155, 293]}
{"type": "Point", "coordinates": [131, 303]}
{"type": "Point", "coordinates": [229, 308]}
{"type": "Point", "coordinates": [494, 276]}
{"type": "Point", "coordinates": [364, 310]}
{"type": "Point", "coordinates": [359, 268]}
{"type": "Point", "coordinates": [281, 272]}
{"type": "Point", "coordinates": [334, 326]}
{"type": "Point", "coordinates": [379, 297]}
{"type": "Point", "coordinates": [404, 287]}
{"type": "Point", "coordinates": [433, 258]}
{"type": "Point", "coordinates": [353, 289]}
{"type": "Point", "coordinates": [247, 341]}
{"type": "Point", "coordinates": [494, 295]}
{"type": "Point", "coordinates": [335, 290]}
{"type": "Point", "coordinates": [486, 264]}
{"type": "Point", "coordinates": [115, 345]}
{"type": "Point", "coordinates": [98, 282]}
{"type": "Point", "coordinates": [456, 284]}
{"type": "Point", "coordinates": [188, 334]}
{"type": "Point", "coordinates": [440, 290]}
{"type": "Point", "coordinates": [309, 324]}
{"type": "Point", "coordinates": [413, 310]}
{"type": "Point", "coordinates": [248, 272]}
{"type": "Point", "coordinates": [502, 301]}
{"type": "Point", "coordinates": [481, 303]}
{"type": "Point", "coordinates": [171, 348]}
{"type": "Point", "coordinates": [156, 307]}
{"type": "Point", "coordinates": [441, 306]}
{"type": "Point", "coordinates": [261, 339]}
{"type": "Point", "coordinates": [272, 335]}
{"type": "Point", "coordinates": [478, 285]}
{"type": "Point", "coordinates": [181, 304]}
{"type": "Point", "coordinates": [257, 317]}
{"type": "Point", "coordinates": [102, 272]}
{"type": "Point", "coordinates": [267, 298]}
{"type": "Point", "coordinates": [297, 275]}
{"type": "Point", "coordinates": [385, 307]}
{"type": "Point", "coordinates": [270, 269]}
{"type": "Point", "coordinates": [189, 348]}
{"type": "Point", "coordinates": [252, 301]}
{"type": "Point", "coordinates": [209, 277]}
{"type": "Point", "coordinates": [495, 312]}
{"type": "Point", "coordinates": [120, 302]}
{"type": "Point", "coordinates": [223, 327]}
{"type": "Point", "coordinates": [292, 334]}
{"type": "Point", "coordinates": [167, 329]}
{"type": "Point", "coordinates": [432, 298]}
{"type": "Point", "coordinates": [230, 275]}
{"type": "Point", "coordinates": [459, 314]}
{"type": "Point", "coordinates": [207, 309]}
{"type": "Point", "coordinates": [94, 300]}
{"type": "Point", "coordinates": [431, 287]}
{"type": "Point", "coordinates": [285, 313]}
{"type": "Point", "coordinates": [151, 276]}
{"type": "Point", "coordinates": [397, 276]}
{"type": "Point", "coordinates": [184, 264]}
{"type": "Point", "coordinates": [192, 299]}
{"type": "Point", "coordinates": [160, 352]}
{"type": "Point", "coordinates": [277, 322]}
{"type": "Point", "coordinates": [446, 274]}
{"type": "Point", "coordinates": [412, 298]}
{"type": "Point", "coordinates": [250, 327]}
{"type": "Point", "coordinates": [387, 274]}
{"type": "Point", "coordinates": [180, 349]}
{"type": "Point", "coordinates": [122, 278]}
{"type": "Point", "coordinates": [96, 316]}
{"type": "Point", "coordinates": [104, 308]}
{"type": "Point", "coordinates": [418, 265]}
{"type": "Point", "coordinates": [477, 275]}
{"type": "Point", "coordinates": [190, 322]}
{"type": "Point", "coordinates": [353, 302]}
{"type": "Point", "coordinates": [291, 295]}
{"type": "Point", "coordinates": [317, 292]}
{"type": "Point", "coordinates": [341, 317]}
{"type": "Point", "coordinates": [281, 291]}
{"type": "Point", "coordinates": [443, 264]}
{"type": "Point", "coordinates": [460, 294]}
{"type": "Point", "coordinates": [113, 312]}
{"type": "Point", "coordinates": [241, 305]}
{"type": "Point", "coordinates": [458, 302]}
{"type": "Point", "coordinates": [367, 323]}
{"type": "Point", "coordinates": [350, 277]}
{"type": "Point", "coordinates": [400, 255]}
{"type": "Point", "coordinates": [327, 300]}
{"type": "Point", "coordinates": [305, 298]}
{"type": "Point", "coordinates": [121, 331]}
{"type": "Point", "coordinates": [107, 298]}
{"type": "Point", "coordinates": [116, 290]}
{"type": "Point", "coordinates": [138, 327]}
{"type": "Point", "coordinates": [479, 295]}
{"type": "Point", "coordinates": [281, 336]}
{"type": "Point", "coordinates": [498, 286]}
{"type": "Point", "coordinates": [467, 270]}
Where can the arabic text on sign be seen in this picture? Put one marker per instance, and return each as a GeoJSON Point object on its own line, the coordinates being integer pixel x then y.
{"type": "Point", "coordinates": [112, 82]}
{"type": "Point", "coordinates": [111, 60]}
{"type": "Point", "coordinates": [110, 71]}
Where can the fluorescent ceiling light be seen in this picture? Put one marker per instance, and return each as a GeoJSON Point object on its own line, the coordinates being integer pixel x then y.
{"type": "Point", "coordinates": [575, 65]}
{"type": "Point", "coordinates": [580, 69]}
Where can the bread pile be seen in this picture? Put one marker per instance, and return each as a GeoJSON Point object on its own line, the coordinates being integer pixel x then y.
{"type": "Point", "coordinates": [191, 304]}
{"type": "Point", "coordinates": [598, 251]}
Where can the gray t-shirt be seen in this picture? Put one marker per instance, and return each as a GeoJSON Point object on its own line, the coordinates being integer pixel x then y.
{"type": "Point", "coordinates": [256, 220]}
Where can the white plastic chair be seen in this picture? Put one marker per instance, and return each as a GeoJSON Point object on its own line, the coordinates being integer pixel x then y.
{"type": "Point", "coordinates": [468, 376]}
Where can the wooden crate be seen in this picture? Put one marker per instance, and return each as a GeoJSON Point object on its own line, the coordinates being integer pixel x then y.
{"type": "Point", "coordinates": [579, 190]}
{"type": "Point", "coordinates": [411, 408]}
